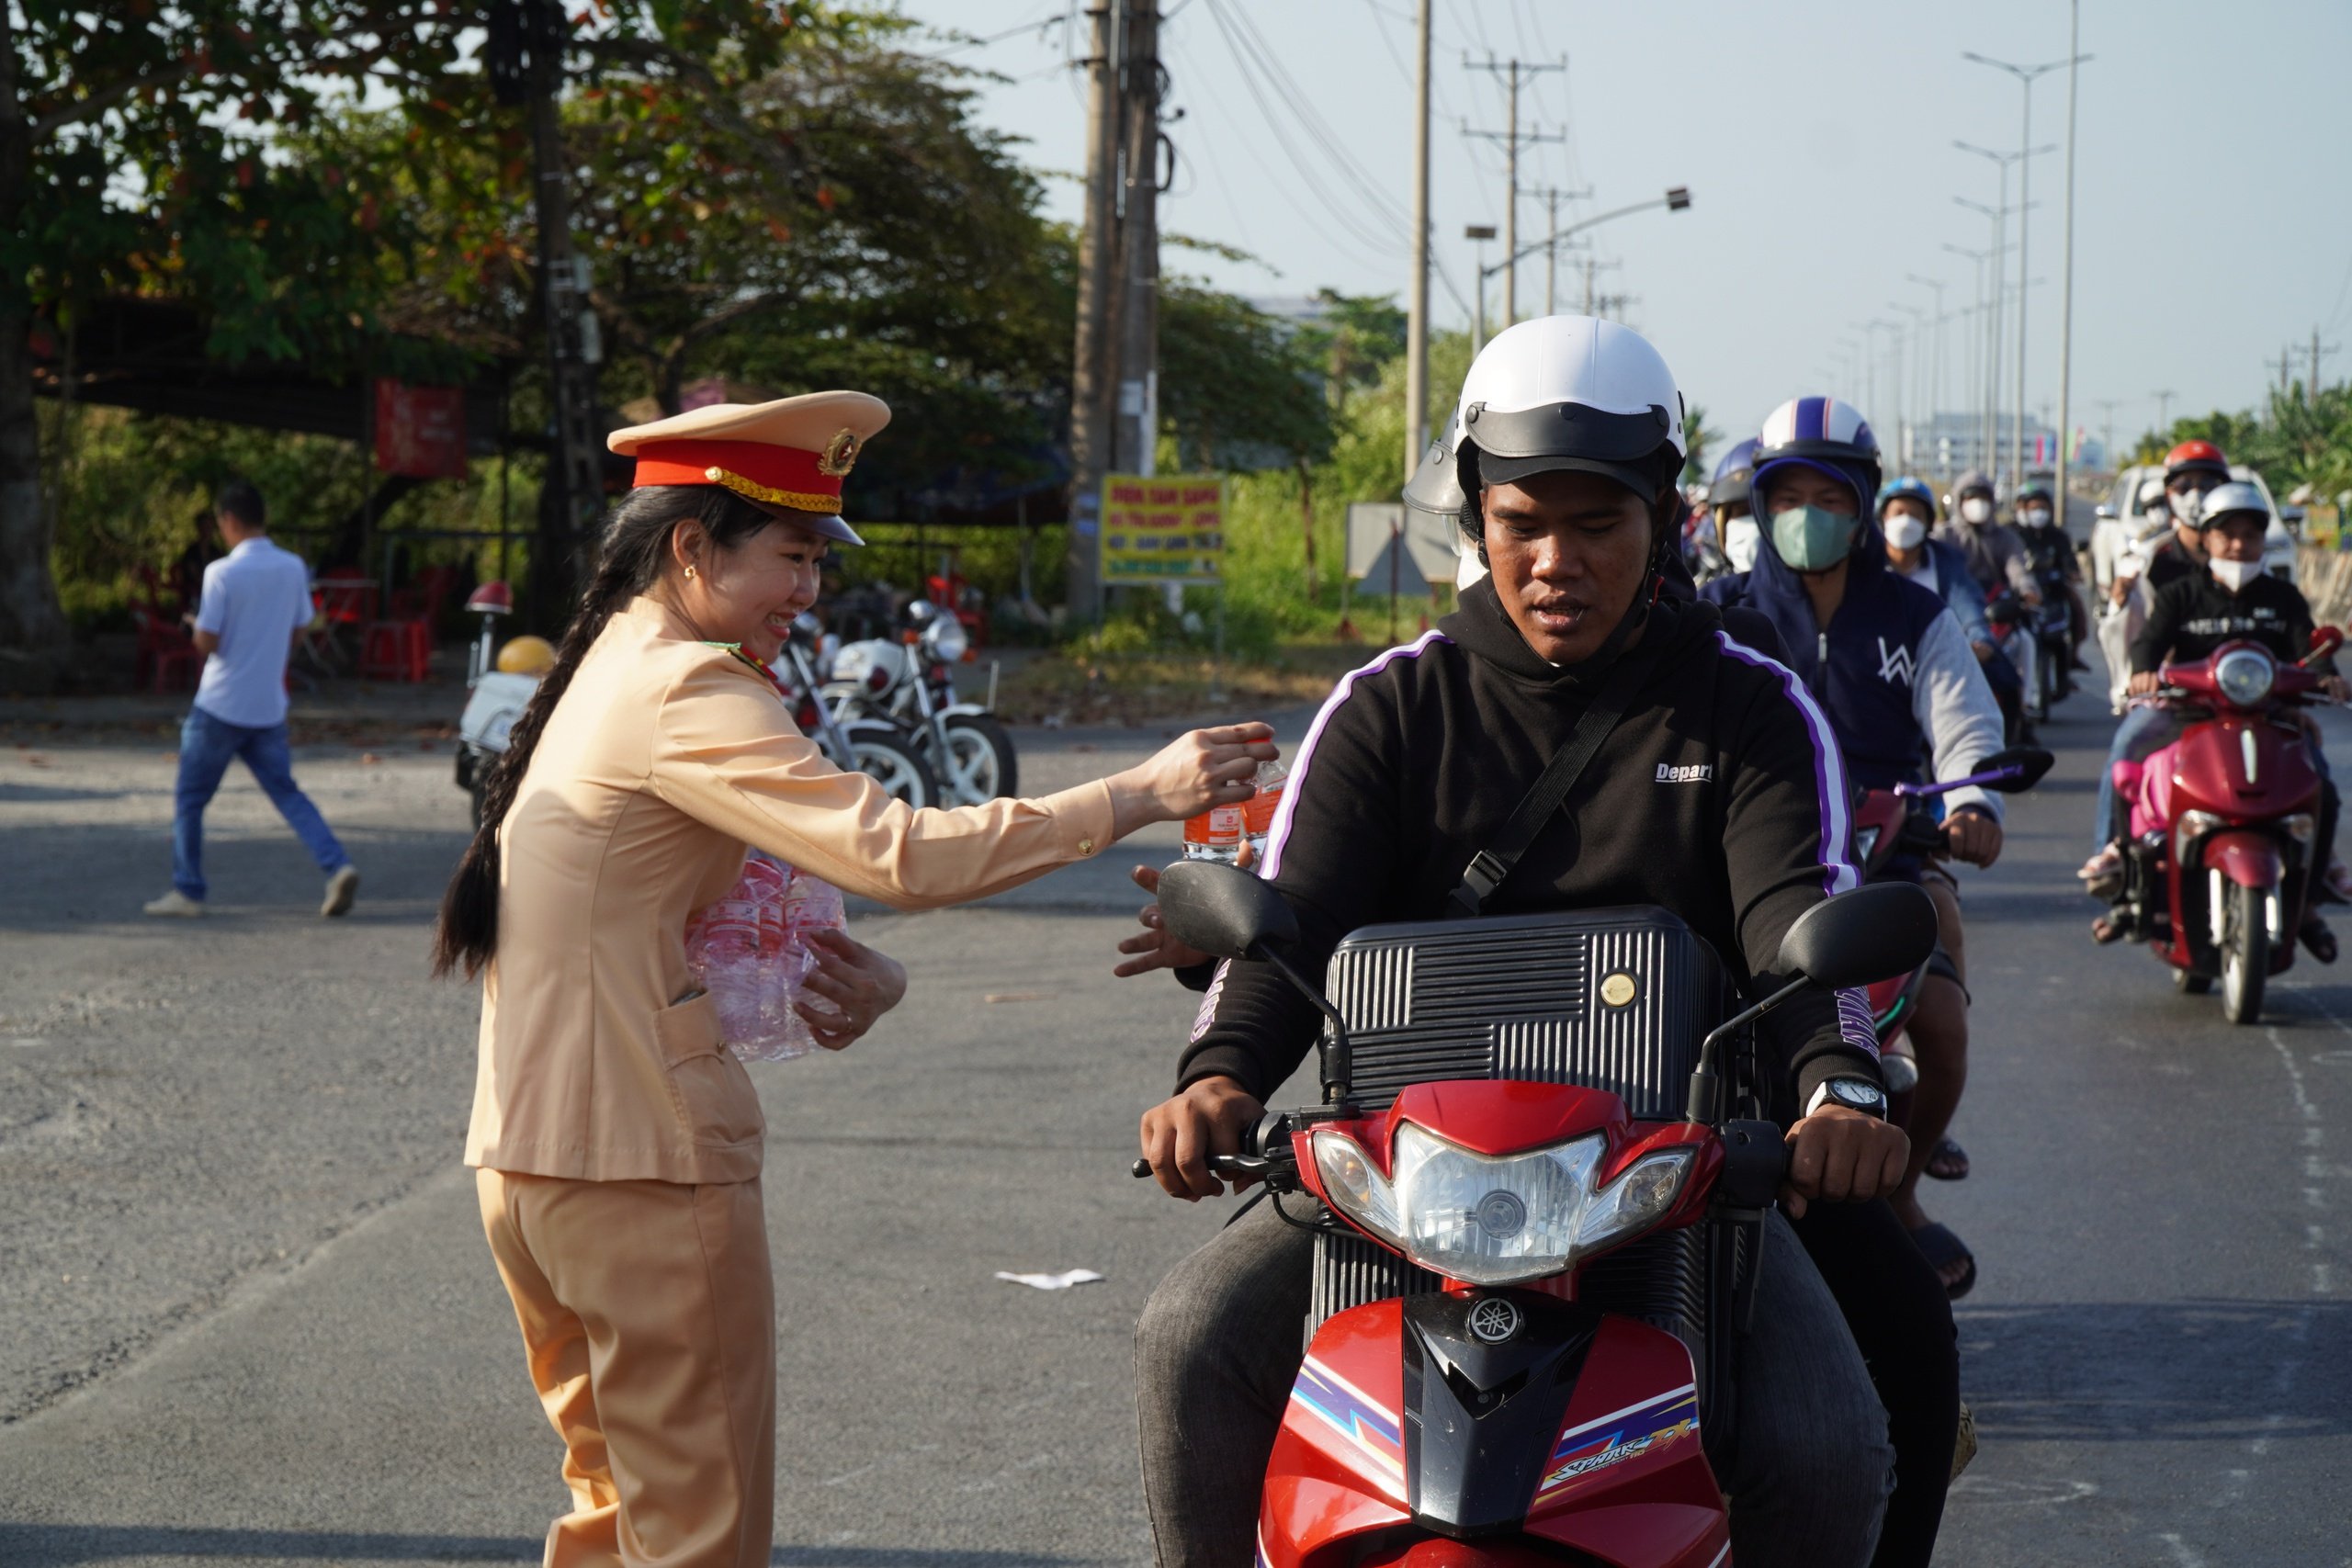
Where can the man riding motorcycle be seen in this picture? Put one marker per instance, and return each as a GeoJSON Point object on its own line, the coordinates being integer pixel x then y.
{"type": "Point", "coordinates": [1906, 513]}
{"type": "Point", "coordinates": [1725, 803]}
{"type": "Point", "coordinates": [2192, 469]}
{"type": "Point", "coordinates": [2232, 598]}
{"type": "Point", "coordinates": [1891, 664]}
{"type": "Point", "coordinates": [1997, 556]}
{"type": "Point", "coordinates": [2050, 553]}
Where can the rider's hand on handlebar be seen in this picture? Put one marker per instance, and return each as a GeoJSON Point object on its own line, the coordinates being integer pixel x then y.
{"type": "Point", "coordinates": [1152, 948]}
{"type": "Point", "coordinates": [1841, 1156]}
{"type": "Point", "coordinates": [2335, 687]}
{"type": "Point", "coordinates": [1197, 770]}
{"type": "Point", "coordinates": [1972, 836]}
{"type": "Point", "coordinates": [2144, 684]}
{"type": "Point", "coordinates": [1179, 1136]}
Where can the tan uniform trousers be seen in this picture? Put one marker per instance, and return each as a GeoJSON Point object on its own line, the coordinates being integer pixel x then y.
{"type": "Point", "coordinates": [649, 1317]}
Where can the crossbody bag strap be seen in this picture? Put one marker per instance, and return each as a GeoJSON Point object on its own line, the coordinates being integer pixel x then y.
{"type": "Point", "coordinates": [1490, 865]}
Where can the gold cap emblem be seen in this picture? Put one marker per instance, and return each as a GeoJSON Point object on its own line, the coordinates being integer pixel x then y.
{"type": "Point", "coordinates": [839, 454]}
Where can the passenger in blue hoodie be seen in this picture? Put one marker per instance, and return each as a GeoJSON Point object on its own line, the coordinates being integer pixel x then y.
{"type": "Point", "coordinates": [1904, 691]}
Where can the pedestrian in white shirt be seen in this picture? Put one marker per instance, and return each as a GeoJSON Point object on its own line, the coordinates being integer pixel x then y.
{"type": "Point", "coordinates": [256, 600]}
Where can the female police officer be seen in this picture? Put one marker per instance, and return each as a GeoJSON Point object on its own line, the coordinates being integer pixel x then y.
{"type": "Point", "coordinates": [618, 1141]}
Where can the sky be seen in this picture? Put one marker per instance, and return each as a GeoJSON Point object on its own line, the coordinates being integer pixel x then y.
{"type": "Point", "coordinates": [1817, 138]}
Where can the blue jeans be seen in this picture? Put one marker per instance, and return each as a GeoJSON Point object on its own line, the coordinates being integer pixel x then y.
{"type": "Point", "coordinates": [206, 746]}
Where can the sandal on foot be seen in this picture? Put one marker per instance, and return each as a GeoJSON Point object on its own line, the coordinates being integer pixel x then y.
{"type": "Point", "coordinates": [2104, 930]}
{"type": "Point", "coordinates": [1949, 1162]}
{"type": "Point", "coordinates": [1942, 1249]}
{"type": "Point", "coordinates": [2317, 939]}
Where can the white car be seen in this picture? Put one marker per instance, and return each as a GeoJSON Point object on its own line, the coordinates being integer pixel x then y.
{"type": "Point", "coordinates": [2121, 520]}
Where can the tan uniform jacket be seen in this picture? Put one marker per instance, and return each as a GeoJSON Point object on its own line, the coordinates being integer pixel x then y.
{"type": "Point", "coordinates": [664, 758]}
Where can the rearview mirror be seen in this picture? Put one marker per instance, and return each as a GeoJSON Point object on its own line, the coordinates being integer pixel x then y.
{"type": "Point", "coordinates": [2024, 764]}
{"type": "Point", "coordinates": [1223, 910]}
{"type": "Point", "coordinates": [1856, 938]}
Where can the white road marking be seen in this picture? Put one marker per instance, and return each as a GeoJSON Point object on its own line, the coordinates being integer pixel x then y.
{"type": "Point", "coordinates": [2182, 1553]}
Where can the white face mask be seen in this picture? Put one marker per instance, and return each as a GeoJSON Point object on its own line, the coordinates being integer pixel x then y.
{"type": "Point", "coordinates": [2235, 575]}
{"type": "Point", "coordinates": [1977, 509]}
{"type": "Point", "coordinates": [2037, 518]}
{"type": "Point", "coordinates": [1739, 543]}
{"type": "Point", "coordinates": [1905, 532]}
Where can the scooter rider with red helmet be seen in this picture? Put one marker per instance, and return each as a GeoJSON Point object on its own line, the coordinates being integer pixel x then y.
{"type": "Point", "coordinates": [2232, 598]}
{"type": "Point", "coordinates": [2191, 470]}
{"type": "Point", "coordinates": [1889, 662]}
{"type": "Point", "coordinates": [1561, 467]}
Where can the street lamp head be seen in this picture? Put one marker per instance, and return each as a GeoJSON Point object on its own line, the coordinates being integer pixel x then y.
{"type": "Point", "coordinates": [1478, 231]}
{"type": "Point", "coordinates": [1677, 197]}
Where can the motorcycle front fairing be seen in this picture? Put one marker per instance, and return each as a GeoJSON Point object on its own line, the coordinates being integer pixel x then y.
{"type": "Point", "coordinates": [1405, 1425]}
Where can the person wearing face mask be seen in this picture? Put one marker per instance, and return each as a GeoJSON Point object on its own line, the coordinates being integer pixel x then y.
{"type": "Point", "coordinates": [617, 1141]}
{"type": "Point", "coordinates": [2051, 555]}
{"type": "Point", "coordinates": [1906, 515]}
{"type": "Point", "coordinates": [2125, 608]}
{"type": "Point", "coordinates": [1997, 556]}
{"type": "Point", "coordinates": [1727, 497]}
{"type": "Point", "coordinates": [2192, 471]}
{"type": "Point", "coordinates": [1559, 469]}
{"type": "Point", "coordinates": [1905, 693]}
{"type": "Point", "coordinates": [2233, 598]}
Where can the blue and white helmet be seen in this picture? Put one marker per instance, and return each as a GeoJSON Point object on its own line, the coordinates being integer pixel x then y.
{"type": "Point", "coordinates": [1822, 433]}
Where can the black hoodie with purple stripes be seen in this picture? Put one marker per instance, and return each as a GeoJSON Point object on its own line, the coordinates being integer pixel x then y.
{"type": "Point", "coordinates": [1719, 795]}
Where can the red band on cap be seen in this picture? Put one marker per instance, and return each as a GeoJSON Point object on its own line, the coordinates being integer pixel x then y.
{"type": "Point", "coordinates": [783, 476]}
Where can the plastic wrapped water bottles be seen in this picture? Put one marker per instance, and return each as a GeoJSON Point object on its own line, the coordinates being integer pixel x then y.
{"type": "Point", "coordinates": [751, 952]}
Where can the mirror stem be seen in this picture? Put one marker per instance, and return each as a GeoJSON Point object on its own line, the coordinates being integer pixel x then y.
{"type": "Point", "coordinates": [1335, 1056]}
{"type": "Point", "coordinates": [1706, 1101]}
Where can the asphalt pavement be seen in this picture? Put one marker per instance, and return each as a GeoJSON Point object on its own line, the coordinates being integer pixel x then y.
{"type": "Point", "coordinates": [246, 1315]}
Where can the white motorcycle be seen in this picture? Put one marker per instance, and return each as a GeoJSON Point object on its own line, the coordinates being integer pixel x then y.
{"type": "Point", "coordinates": [909, 684]}
{"type": "Point", "coordinates": [853, 744]}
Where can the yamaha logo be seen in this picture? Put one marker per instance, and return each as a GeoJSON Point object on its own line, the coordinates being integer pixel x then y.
{"type": "Point", "coordinates": [1494, 1320]}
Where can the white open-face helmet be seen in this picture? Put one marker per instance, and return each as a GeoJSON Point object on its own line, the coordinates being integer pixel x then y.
{"type": "Point", "coordinates": [2237, 497]}
{"type": "Point", "coordinates": [1557, 392]}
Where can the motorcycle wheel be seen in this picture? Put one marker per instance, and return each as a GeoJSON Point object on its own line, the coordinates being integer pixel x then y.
{"type": "Point", "coordinates": [2245, 955]}
{"type": "Point", "coordinates": [980, 764]}
{"type": "Point", "coordinates": [2191, 985]}
{"type": "Point", "coordinates": [897, 767]}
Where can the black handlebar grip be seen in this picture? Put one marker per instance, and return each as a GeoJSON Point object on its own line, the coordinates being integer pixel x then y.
{"type": "Point", "coordinates": [1141, 1168]}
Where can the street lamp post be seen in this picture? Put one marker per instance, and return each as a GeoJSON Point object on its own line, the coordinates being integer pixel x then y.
{"type": "Point", "coordinates": [1676, 199]}
{"type": "Point", "coordinates": [2026, 75]}
{"type": "Point", "coordinates": [1979, 371]}
{"type": "Point", "coordinates": [1482, 232]}
{"type": "Point", "coordinates": [1936, 376]}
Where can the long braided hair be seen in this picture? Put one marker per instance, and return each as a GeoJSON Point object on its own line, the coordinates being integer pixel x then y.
{"type": "Point", "coordinates": [636, 539]}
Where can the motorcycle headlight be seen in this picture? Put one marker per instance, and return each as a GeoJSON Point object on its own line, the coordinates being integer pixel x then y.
{"type": "Point", "coordinates": [2245, 676]}
{"type": "Point", "coordinates": [1496, 1220]}
{"type": "Point", "coordinates": [947, 639]}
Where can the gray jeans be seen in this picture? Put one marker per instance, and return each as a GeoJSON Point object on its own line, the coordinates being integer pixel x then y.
{"type": "Point", "coordinates": [1219, 1345]}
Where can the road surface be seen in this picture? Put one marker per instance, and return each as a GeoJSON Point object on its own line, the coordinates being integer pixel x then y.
{"type": "Point", "coordinates": [247, 1315]}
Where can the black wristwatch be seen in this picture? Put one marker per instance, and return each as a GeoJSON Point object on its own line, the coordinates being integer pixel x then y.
{"type": "Point", "coordinates": [1854, 1094]}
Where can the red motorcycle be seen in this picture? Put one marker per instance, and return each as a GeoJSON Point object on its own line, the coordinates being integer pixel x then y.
{"type": "Point", "coordinates": [1890, 825]}
{"type": "Point", "coordinates": [1538, 1194]}
{"type": "Point", "coordinates": [2217, 869]}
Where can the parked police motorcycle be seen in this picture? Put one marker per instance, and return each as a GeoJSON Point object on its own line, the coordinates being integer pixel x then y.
{"type": "Point", "coordinates": [909, 684]}
{"type": "Point", "coordinates": [853, 744]}
{"type": "Point", "coordinates": [1537, 1190]}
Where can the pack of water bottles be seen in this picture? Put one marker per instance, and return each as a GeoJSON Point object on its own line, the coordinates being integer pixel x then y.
{"type": "Point", "coordinates": [751, 952]}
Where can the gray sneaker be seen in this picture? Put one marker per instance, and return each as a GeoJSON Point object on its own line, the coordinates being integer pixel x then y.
{"type": "Point", "coordinates": [342, 888]}
{"type": "Point", "coordinates": [174, 903]}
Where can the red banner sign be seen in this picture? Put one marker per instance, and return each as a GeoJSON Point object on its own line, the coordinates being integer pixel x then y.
{"type": "Point", "coordinates": [420, 431]}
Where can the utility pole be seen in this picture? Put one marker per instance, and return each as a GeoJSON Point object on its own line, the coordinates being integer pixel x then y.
{"type": "Point", "coordinates": [2107, 407]}
{"type": "Point", "coordinates": [2311, 388]}
{"type": "Point", "coordinates": [1417, 294]}
{"type": "Point", "coordinates": [2066, 290]}
{"type": "Point", "coordinates": [575, 499]}
{"type": "Point", "coordinates": [1592, 302]}
{"type": "Point", "coordinates": [1135, 449]}
{"type": "Point", "coordinates": [1552, 199]}
{"type": "Point", "coordinates": [2164, 411]}
{"type": "Point", "coordinates": [1094, 358]}
{"type": "Point", "coordinates": [1511, 140]}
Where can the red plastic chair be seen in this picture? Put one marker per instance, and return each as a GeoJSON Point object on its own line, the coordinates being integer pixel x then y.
{"type": "Point", "coordinates": [396, 650]}
{"type": "Point", "coordinates": [167, 660]}
{"type": "Point", "coordinates": [345, 598]}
